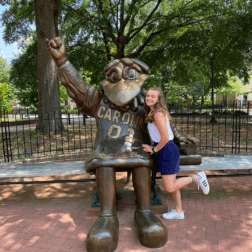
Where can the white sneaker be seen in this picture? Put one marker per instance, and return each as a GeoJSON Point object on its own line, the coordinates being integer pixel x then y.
{"type": "Point", "coordinates": [173, 215]}
{"type": "Point", "coordinates": [203, 183]}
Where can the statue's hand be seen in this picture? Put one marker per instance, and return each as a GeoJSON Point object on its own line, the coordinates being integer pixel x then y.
{"type": "Point", "coordinates": [192, 139]}
{"type": "Point", "coordinates": [187, 139]}
{"type": "Point", "coordinates": [56, 47]}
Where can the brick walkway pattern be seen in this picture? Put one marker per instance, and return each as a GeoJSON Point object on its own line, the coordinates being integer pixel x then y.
{"type": "Point", "coordinates": [53, 217]}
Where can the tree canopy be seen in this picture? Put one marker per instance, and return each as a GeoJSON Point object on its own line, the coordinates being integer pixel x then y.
{"type": "Point", "coordinates": [23, 75]}
{"type": "Point", "coordinates": [5, 87]}
{"type": "Point", "coordinates": [4, 70]}
{"type": "Point", "coordinates": [177, 34]}
{"type": "Point", "coordinates": [235, 86]}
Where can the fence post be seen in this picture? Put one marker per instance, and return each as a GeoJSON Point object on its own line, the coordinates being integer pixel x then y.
{"type": "Point", "coordinates": [236, 127]}
{"type": "Point", "coordinates": [5, 128]}
{"type": "Point", "coordinates": [69, 120]}
{"type": "Point", "coordinates": [84, 119]}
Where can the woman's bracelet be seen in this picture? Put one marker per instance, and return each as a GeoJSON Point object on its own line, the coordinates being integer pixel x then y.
{"type": "Point", "coordinates": [153, 149]}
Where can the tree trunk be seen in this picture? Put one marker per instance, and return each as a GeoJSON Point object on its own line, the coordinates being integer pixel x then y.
{"type": "Point", "coordinates": [120, 51]}
{"type": "Point", "coordinates": [202, 100]}
{"type": "Point", "coordinates": [46, 13]}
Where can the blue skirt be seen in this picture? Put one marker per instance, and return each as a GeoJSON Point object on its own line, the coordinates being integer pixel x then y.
{"type": "Point", "coordinates": [168, 158]}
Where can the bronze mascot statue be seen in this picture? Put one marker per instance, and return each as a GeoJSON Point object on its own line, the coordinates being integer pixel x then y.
{"type": "Point", "coordinates": [119, 112]}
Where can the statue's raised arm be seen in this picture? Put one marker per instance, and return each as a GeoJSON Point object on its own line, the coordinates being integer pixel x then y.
{"type": "Point", "coordinates": [84, 95]}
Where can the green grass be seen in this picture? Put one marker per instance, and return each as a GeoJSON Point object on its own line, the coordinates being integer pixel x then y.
{"type": "Point", "coordinates": [14, 138]}
{"type": "Point", "coordinates": [54, 147]}
{"type": "Point", "coordinates": [216, 133]}
{"type": "Point", "coordinates": [12, 120]}
{"type": "Point", "coordinates": [73, 133]}
{"type": "Point", "coordinates": [33, 133]}
{"type": "Point", "coordinates": [38, 143]}
{"type": "Point", "coordinates": [243, 139]}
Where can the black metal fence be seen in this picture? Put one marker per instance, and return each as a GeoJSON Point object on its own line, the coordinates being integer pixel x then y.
{"type": "Point", "coordinates": [232, 132]}
{"type": "Point", "coordinates": [20, 136]}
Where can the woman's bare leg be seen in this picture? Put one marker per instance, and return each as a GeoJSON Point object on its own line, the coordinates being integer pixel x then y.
{"type": "Point", "coordinates": [171, 184]}
{"type": "Point", "coordinates": [177, 200]}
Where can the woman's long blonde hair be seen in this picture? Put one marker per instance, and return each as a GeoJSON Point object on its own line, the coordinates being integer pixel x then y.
{"type": "Point", "coordinates": [160, 106]}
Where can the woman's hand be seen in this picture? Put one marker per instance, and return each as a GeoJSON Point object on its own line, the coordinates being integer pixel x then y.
{"type": "Point", "coordinates": [147, 148]}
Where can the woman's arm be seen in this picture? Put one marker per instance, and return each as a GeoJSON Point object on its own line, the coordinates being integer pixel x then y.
{"type": "Point", "coordinates": [160, 122]}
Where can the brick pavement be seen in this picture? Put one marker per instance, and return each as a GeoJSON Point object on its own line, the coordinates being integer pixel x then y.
{"type": "Point", "coordinates": [53, 217]}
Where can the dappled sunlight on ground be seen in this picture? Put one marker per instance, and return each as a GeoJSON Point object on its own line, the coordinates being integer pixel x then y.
{"type": "Point", "coordinates": [53, 217]}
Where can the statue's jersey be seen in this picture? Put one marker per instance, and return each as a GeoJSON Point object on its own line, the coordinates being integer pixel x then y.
{"type": "Point", "coordinates": [119, 138]}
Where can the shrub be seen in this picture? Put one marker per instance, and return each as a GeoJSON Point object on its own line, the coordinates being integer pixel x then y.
{"type": "Point", "coordinates": [67, 110]}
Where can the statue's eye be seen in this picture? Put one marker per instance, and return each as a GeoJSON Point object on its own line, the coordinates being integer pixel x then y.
{"type": "Point", "coordinates": [114, 77]}
{"type": "Point", "coordinates": [132, 74]}
{"type": "Point", "coordinates": [114, 74]}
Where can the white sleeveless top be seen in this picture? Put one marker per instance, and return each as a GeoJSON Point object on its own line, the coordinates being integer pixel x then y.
{"type": "Point", "coordinates": [154, 133]}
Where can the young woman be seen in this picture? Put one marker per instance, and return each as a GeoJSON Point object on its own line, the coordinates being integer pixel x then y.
{"type": "Point", "coordinates": [159, 120]}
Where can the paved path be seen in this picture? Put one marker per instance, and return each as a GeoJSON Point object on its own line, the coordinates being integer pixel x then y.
{"type": "Point", "coordinates": [53, 217]}
{"type": "Point", "coordinates": [76, 167]}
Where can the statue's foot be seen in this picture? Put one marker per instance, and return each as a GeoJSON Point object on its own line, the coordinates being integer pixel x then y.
{"type": "Point", "coordinates": [151, 231]}
{"type": "Point", "coordinates": [103, 236]}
